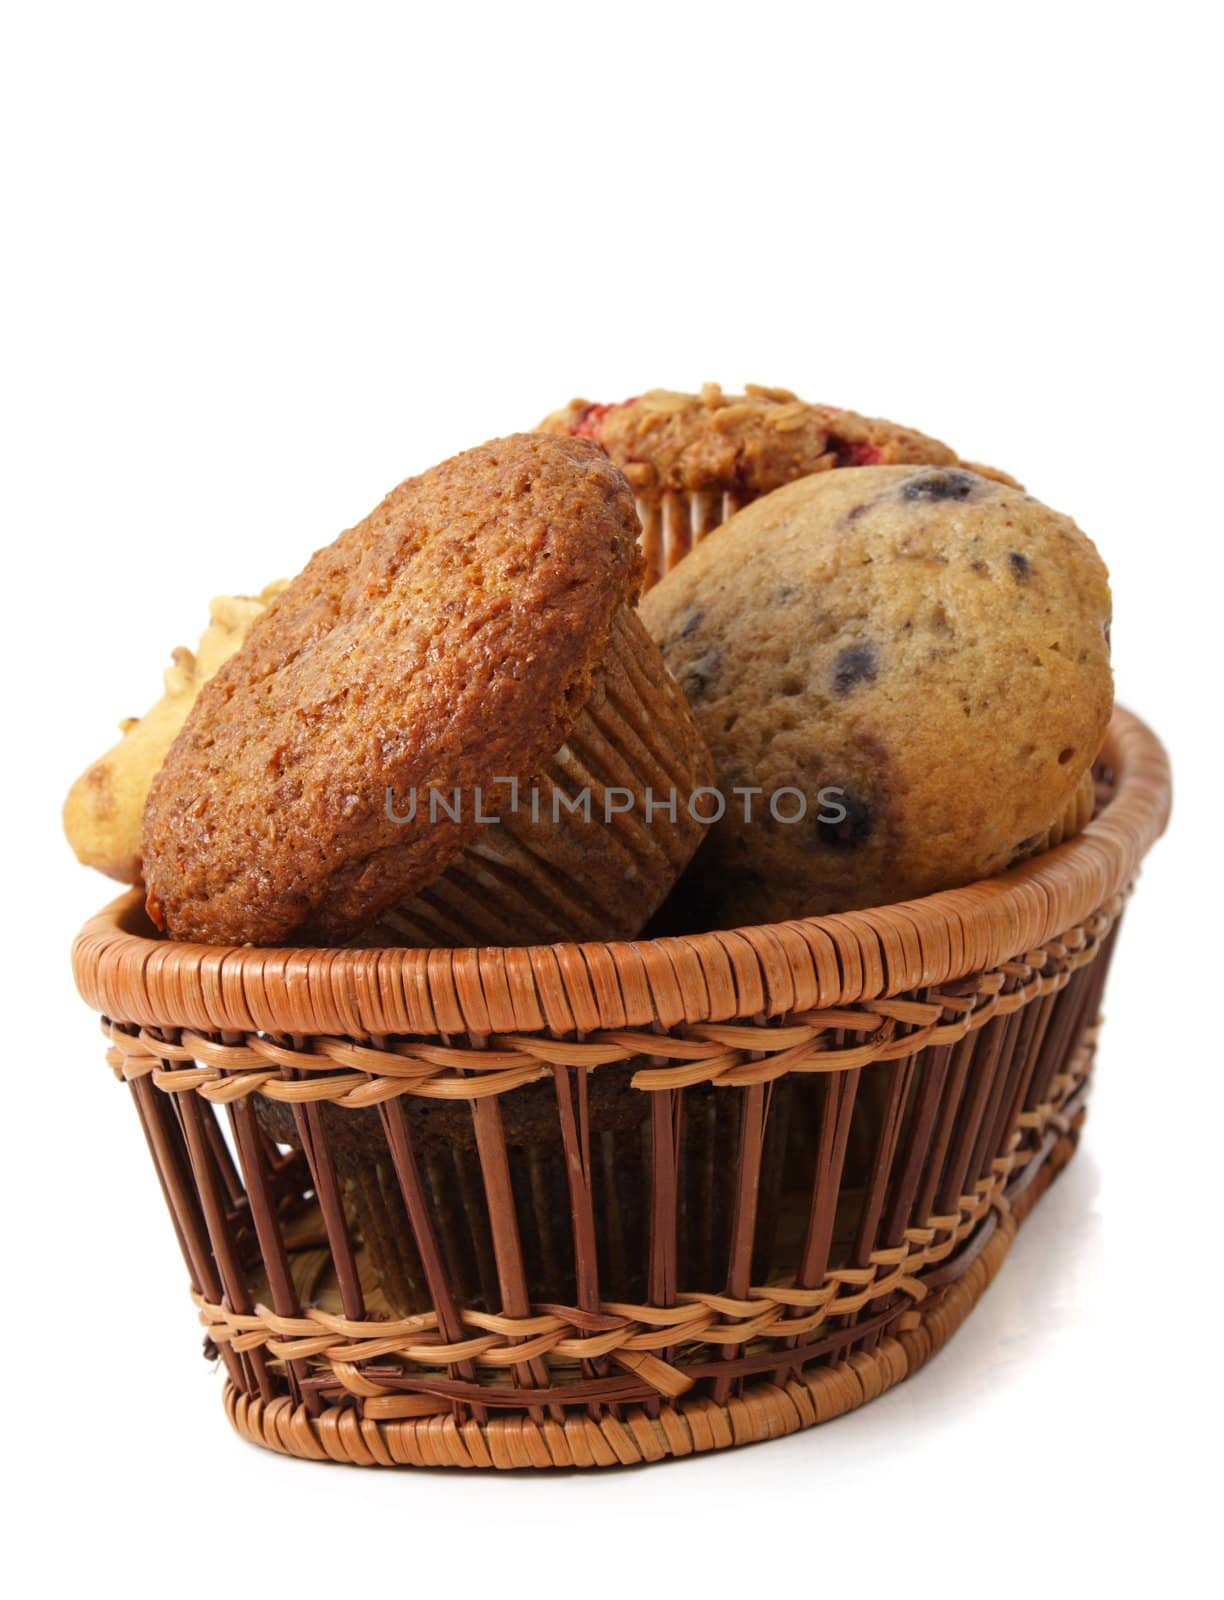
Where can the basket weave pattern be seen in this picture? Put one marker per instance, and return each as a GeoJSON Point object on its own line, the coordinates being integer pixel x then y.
{"type": "Point", "coordinates": [958, 1031]}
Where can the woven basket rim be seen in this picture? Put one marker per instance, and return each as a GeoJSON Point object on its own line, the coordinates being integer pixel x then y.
{"type": "Point", "coordinates": [760, 971]}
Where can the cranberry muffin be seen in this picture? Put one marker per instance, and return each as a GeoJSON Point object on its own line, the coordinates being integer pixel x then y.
{"type": "Point", "coordinates": [695, 459]}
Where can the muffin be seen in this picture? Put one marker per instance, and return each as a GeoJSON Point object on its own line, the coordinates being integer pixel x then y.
{"type": "Point", "coordinates": [469, 652]}
{"type": "Point", "coordinates": [694, 460]}
{"type": "Point", "coordinates": [903, 675]}
{"type": "Point", "coordinates": [103, 811]}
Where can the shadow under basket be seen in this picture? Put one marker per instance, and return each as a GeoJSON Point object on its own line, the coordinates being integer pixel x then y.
{"type": "Point", "coordinates": [581, 1205]}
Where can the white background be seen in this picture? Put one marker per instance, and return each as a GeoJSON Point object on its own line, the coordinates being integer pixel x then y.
{"type": "Point", "coordinates": [263, 262]}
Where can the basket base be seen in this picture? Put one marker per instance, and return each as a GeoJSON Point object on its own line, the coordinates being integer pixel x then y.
{"type": "Point", "coordinates": [688, 1427]}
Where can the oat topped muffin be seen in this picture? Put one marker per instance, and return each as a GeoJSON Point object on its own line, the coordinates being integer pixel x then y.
{"type": "Point", "coordinates": [696, 459]}
{"type": "Point", "coordinates": [745, 444]}
{"type": "Point", "coordinates": [449, 639]}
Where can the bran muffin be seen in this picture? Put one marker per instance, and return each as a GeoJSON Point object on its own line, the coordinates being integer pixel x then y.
{"type": "Point", "coordinates": [920, 653]}
{"type": "Point", "coordinates": [695, 459]}
{"type": "Point", "coordinates": [476, 628]}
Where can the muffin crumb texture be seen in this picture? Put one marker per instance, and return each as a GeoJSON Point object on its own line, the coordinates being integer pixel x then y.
{"type": "Point", "coordinates": [745, 444]}
{"type": "Point", "coordinates": [924, 647]}
{"type": "Point", "coordinates": [451, 636]}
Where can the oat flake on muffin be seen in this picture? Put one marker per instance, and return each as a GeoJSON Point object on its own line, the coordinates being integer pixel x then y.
{"type": "Point", "coordinates": [696, 459]}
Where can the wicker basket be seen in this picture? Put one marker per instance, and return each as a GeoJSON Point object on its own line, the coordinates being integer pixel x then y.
{"type": "Point", "coordinates": [900, 1086]}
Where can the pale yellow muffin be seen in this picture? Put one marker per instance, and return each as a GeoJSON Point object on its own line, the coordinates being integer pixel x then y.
{"type": "Point", "coordinates": [103, 811]}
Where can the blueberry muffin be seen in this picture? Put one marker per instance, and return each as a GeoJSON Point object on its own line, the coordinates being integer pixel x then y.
{"type": "Point", "coordinates": [905, 667]}
{"type": "Point", "coordinates": [473, 639]}
{"type": "Point", "coordinates": [694, 459]}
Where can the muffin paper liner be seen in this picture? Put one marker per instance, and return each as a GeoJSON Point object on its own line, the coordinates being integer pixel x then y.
{"type": "Point", "coordinates": [544, 873]}
{"type": "Point", "coordinates": [673, 522]}
{"type": "Point", "coordinates": [1074, 818]}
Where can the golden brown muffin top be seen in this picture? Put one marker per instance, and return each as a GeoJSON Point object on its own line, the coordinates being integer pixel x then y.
{"type": "Point", "coordinates": [447, 640]}
{"type": "Point", "coordinates": [931, 646]}
{"type": "Point", "coordinates": [750, 443]}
